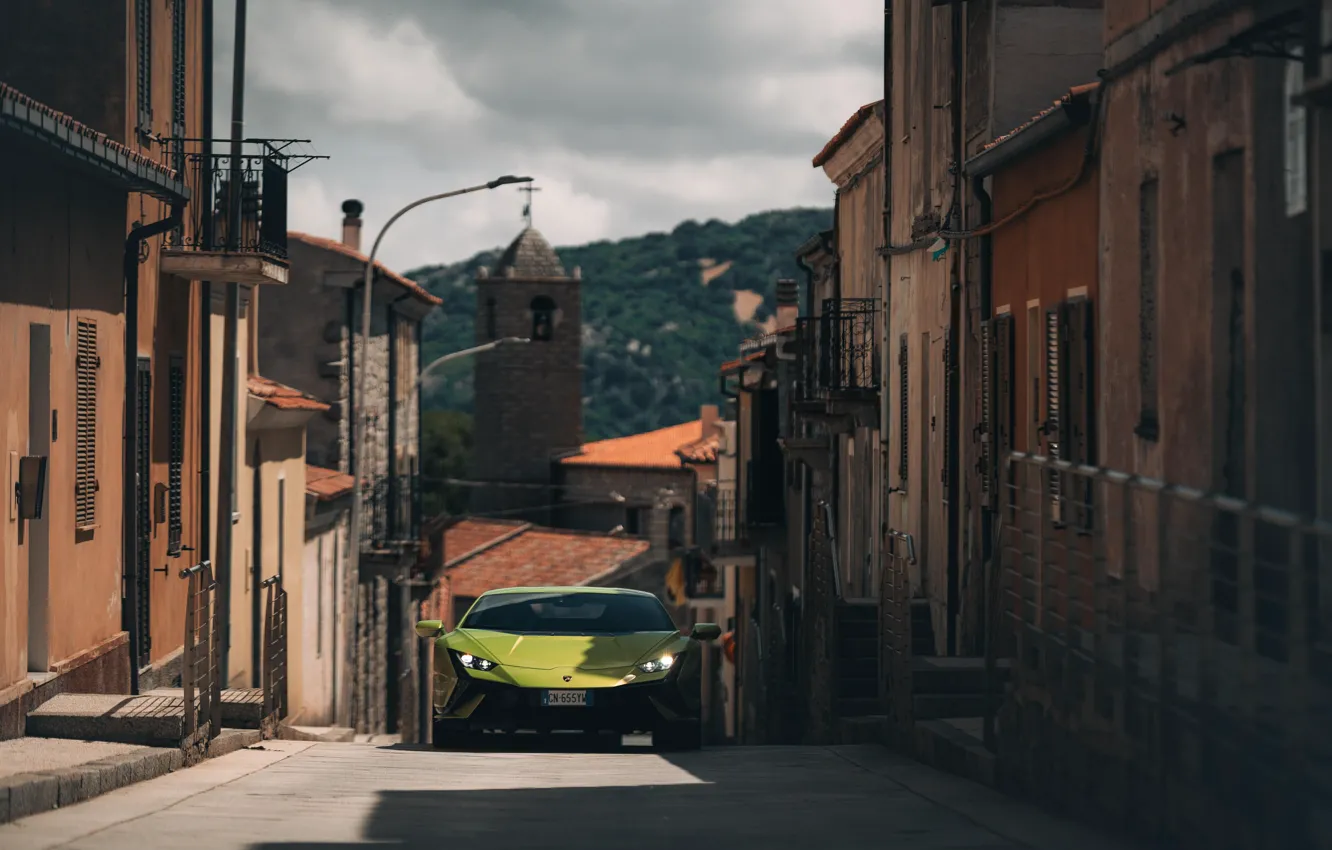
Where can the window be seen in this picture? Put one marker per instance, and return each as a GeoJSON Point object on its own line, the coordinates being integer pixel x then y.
{"type": "Point", "coordinates": [319, 597]}
{"type": "Point", "coordinates": [568, 613]}
{"type": "Point", "coordinates": [543, 319]}
{"type": "Point", "coordinates": [676, 528]}
{"type": "Point", "coordinates": [87, 363]}
{"type": "Point", "coordinates": [1149, 427]}
{"type": "Point", "coordinates": [491, 331]}
{"type": "Point", "coordinates": [1054, 421]}
{"type": "Point", "coordinates": [996, 401]}
{"type": "Point", "coordinates": [281, 523]}
{"type": "Point", "coordinates": [1078, 402]}
{"type": "Point", "coordinates": [945, 467]}
{"type": "Point", "coordinates": [902, 449]}
{"type": "Point", "coordinates": [143, 36]}
{"type": "Point", "coordinates": [176, 456]}
{"type": "Point", "coordinates": [178, 76]}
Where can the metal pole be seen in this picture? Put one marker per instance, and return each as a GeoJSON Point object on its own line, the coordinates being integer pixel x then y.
{"type": "Point", "coordinates": [358, 408]}
{"type": "Point", "coordinates": [230, 364]}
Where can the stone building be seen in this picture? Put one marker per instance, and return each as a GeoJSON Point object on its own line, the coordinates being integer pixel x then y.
{"type": "Point", "coordinates": [308, 337]}
{"type": "Point", "coordinates": [529, 398]}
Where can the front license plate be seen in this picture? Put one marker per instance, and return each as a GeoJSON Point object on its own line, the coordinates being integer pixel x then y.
{"type": "Point", "coordinates": [577, 699]}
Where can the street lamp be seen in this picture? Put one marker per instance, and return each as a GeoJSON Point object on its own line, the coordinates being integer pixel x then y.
{"type": "Point", "coordinates": [467, 352]}
{"type": "Point", "coordinates": [358, 400]}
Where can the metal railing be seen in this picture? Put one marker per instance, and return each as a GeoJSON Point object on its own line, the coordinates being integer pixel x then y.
{"type": "Point", "coordinates": [200, 680]}
{"type": "Point", "coordinates": [264, 166]}
{"type": "Point", "coordinates": [392, 512]}
{"type": "Point", "coordinates": [1165, 655]}
{"type": "Point", "coordinates": [273, 675]}
{"type": "Point", "coordinates": [849, 346]}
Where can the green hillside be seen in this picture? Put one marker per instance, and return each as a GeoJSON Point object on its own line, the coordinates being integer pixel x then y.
{"type": "Point", "coordinates": [653, 333]}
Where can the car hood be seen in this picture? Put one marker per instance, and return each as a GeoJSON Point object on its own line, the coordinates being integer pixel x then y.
{"type": "Point", "coordinates": [548, 652]}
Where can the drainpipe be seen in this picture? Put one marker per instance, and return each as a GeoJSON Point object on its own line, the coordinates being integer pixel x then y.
{"type": "Point", "coordinates": [129, 479]}
{"type": "Point", "coordinates": [885, 347]}
{"type": "Point", "coordinates": [986, 204]}
{"type": "Point", "coordinates": [958, 321]}
{"type": "Point", "coordinates": [206, 306]}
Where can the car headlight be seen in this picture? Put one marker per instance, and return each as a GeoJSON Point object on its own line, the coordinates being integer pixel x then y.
{"type": "Point", "coordinates": [657, 665]}
{"type": "Point", "coordinates": [476, 662]}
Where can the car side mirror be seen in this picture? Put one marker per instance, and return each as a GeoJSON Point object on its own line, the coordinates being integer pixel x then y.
{"type": "Point", "coordinates": [429, 628]}
{"type": "Point", "coordinates": [706, 631]}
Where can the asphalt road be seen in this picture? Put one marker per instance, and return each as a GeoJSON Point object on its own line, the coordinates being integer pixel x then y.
{"type": "Point", "coordinates": [302, 796]}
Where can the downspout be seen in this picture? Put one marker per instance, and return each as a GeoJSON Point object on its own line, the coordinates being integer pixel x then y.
{"type": "Point", "coordinates": [206, 303]}
{"type": "Point", "coordinates": [986, 206]}
{"type": "Point", "coordinates": [129, 479]}
{"type": "Point", "coordinates": [957, 320]}
{"type": "Point", "coordinates": [885, 342]}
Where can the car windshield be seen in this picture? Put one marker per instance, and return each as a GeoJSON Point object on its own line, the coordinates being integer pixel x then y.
{"type": "Point", "coordinates": [568, 613]}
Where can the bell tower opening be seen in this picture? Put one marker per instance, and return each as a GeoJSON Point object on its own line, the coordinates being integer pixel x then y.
{"type": "Point", "coordinates": [543, 312]}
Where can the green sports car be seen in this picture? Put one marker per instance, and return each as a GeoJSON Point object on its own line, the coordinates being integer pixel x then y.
{"type": "Point", "coordinates": [549, 659]}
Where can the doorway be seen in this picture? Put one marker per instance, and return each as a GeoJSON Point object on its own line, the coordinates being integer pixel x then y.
{"type": "Point", "coordinates": [143, 482]}
{"type": "Point", "coordinates": [38, 531]}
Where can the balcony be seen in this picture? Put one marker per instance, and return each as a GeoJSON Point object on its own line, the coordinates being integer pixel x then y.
{"type": "Point", "coordinates": [838, 358]}
{"type": "Point", "coordinates": [213, 244]}
{"type": "Point", "coordinates": [392, 511]}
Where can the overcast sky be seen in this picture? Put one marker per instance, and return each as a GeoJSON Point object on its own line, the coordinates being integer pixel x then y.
{"type": "Point", "coordinates": [633, 115]}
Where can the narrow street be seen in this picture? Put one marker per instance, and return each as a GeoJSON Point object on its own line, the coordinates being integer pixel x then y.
{"type": "Point", "coordinates": [305, 796]}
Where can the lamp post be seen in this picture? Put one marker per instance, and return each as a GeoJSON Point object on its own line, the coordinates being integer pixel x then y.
{"type": "Point", "coordinates": [367, 300]}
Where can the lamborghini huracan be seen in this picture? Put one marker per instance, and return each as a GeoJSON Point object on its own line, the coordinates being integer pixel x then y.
{"type": "Point", "coordinates": [551, 659]}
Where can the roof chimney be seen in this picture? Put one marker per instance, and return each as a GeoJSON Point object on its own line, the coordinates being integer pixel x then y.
{"type": "Point", "coordinates": [351, 224]}
{"type": "Point", "coordinates": [788, 303]}
{"type": "Point", "coordinates": [708, 414]}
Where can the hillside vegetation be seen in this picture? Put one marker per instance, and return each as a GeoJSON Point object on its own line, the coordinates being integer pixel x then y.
{"type": "Point", "coordinates": [660, 313]}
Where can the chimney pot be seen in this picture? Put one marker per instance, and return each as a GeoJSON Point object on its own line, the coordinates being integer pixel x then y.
{"type": "Point", "coordinates": [351, 223]}
{"type": "Point", "coordinates": [788, 303]}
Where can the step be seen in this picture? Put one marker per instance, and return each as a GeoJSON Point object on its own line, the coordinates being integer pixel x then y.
{"type": "Point", "coordinates": [946, 706]}
{"type": "Point", "coordinates": [861, 687]}
{"type": "Point", "coordinates": [858, 629]}
{"type": "Point", "coordinates": [848, 647]}
{"type": "Point", "coordinates": [936, 674]}
{"type": "Point", "coordinates": [862, 729]}
{"type": "Point", "coordinates": [242, 708]}
{"type": "Point", "coordinates": [859, 707]}
{"type": "Point", "coordinates": [857, 668]}
{"type": "Point", "coordinates": [861, 611]}
{"type": "Point", "coordinates": [121, 718]}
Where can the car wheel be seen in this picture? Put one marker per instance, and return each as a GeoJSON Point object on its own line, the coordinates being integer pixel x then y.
{"type": "Point", "coordinates": [676, 737]}
{"type": "Point", "coordinates": [450, 735]}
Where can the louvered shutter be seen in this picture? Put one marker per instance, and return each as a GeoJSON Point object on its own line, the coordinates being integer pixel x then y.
{"type": "Point", "coordinates": [143, 36]}
{"type": "Point", "coordinates": [944, 468]}
{"type": "Point", "coordinates": [176, 459]}
{"type": "Point", "coordinates": [902, 447]}
{"type": "Point", "coordinates": [985, 466]}
{"type": "Point", "coordinates": [1054, 420]}
{"type": "Point", "coordinates": [86, 366]}
{"type": "Point", "coordinates": [1080, 403]}
{"type": "Point", "coordinates": [1001, 417]}
{"type": "Point", "coordinates": [178, 69]}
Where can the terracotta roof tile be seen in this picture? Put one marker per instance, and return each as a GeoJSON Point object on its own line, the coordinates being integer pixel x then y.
{"type": "Point", "coordinates": [655, 449]}
{"type": "Point", "coordinates": [537, 556]}
{"type": "Point", "coordinates": [1076, 93]}
{"type": "Point", "coordinates": [848, 129]}
{"type": "Point", "coordinates": [282, 396]}
{"type": "Point", "coordinates": [469, 535]}
{"type": "Point", "coordinates": [734, 365]}
{"type": "Point", "coordinates": [700, 451]}
{"type": "Point", "coordinates": [8, 92]}
{"type": "Point", "coordinates": [337, 247]}
{"type": "Point", "coordinates": [326, 484]}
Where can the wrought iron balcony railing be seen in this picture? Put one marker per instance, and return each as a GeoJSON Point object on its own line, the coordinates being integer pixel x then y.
{"type": "Point", "coordinates": [839, 350]}
{"type": "Point", "coordinates": [260, 177]}
{"type": "Point", "coordinates": [727, 526]}
{"type": "Point", "coordinates": [392, 510]}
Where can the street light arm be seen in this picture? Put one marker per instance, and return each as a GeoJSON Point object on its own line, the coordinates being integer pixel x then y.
{"type": "Point", "coordinates": [454, 355]}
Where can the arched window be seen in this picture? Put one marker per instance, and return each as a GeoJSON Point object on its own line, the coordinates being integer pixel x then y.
{"type": "Point", "coordinates": [544, 318]}
{"type": "Point", "coordinates": [491, 331]}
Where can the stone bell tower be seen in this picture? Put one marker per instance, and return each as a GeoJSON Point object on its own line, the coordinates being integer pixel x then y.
{"type": "Point", "coordinates": [529, 398]}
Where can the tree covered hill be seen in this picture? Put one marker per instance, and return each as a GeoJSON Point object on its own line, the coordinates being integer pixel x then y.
{"type": "Point", "coordinates": [660, 313]}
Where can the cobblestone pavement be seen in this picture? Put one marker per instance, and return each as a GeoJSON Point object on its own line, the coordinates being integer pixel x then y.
{"type": "Point", "coordinates": [288, 795]}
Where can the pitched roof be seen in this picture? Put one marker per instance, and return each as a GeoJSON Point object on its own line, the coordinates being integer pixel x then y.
{"type": "Point", "coordinates": [518, 554]}
{"type": "Point", "coordinates": [327, 484]}
{"type": "Point", "coordinates": [702, 450]}
{"type": "Point", "coordinates": [735, 365]}
{"type": "Point", "coordinates": [1075, 103]}
{"type": "Point", "coordinates": [659, 449]}
{"type": "Point", "coordinates": [530, 255]}
{"type": "Point", "coordinates": [90, 147]}
{"type": "Point", "coordinates": [282, 396]}
{"type": "Point", "coordinates": [414, 288]}
{"type": "Point", "coordinates": [844, 135]}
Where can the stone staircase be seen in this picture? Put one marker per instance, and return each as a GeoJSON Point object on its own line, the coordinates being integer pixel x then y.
{"type": "Point", "coordinates": [154, 718]}
{"type": "Point", "coordinates": [950, 687]}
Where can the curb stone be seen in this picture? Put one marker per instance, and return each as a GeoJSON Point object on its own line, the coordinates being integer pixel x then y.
{"type": "Point", "coordinates": [25, 794]}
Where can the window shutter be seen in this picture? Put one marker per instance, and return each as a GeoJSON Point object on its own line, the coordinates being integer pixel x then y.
{"type": "Point", "coordinates": [985, 466]}
{"type": "Point", "coordinates": [85, 424]}
{"type": "Point", "coordinates": [1054, 394]}
{"type": "Point", "coordinates": [1081, 402]}
{"type": "Point", "coordinates": [178, 76]}
{"type": "Point", "coordinates": [902, 448]}
{"type": "Point", "coordinates": [143, 37]}
{"type": "Point", "coordinates": [1001, 416]}
{"type": "Point", "coordinates": [176, 462]}
{"type": "Point", "coordinates": [947, 407]}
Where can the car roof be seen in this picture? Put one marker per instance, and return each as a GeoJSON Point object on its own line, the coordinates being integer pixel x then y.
{"type": "Point", "coordinates": [619, 591]}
